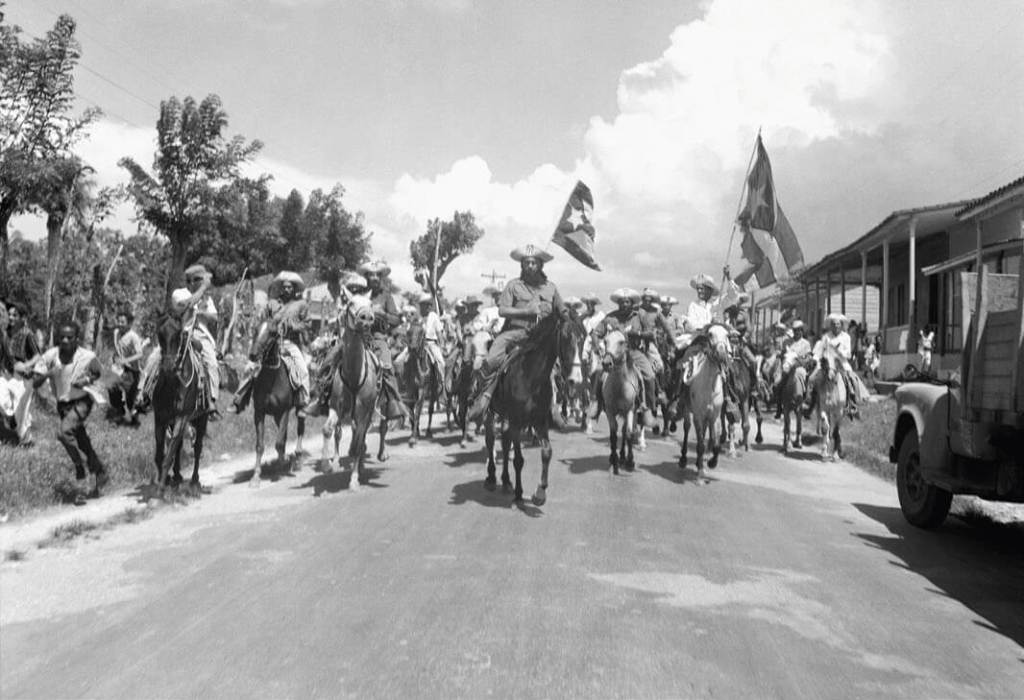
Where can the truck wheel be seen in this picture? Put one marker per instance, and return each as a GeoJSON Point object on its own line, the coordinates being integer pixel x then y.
{"type": "Point", "coordinates": [923, 505]}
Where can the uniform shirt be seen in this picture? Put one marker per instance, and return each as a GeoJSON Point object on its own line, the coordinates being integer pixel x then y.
{"type": "Point", "coordinates": [129, 345]}
{"type": "Point", "coordinates": [798, 347]}
{"type": "Point", "coordinates": [83, 364]}
{"type": "Point", "coordinates": [700, 313]}
{"type": "Point", "coordinates": [433, 328]}
{"type": "Point", "coordinates": [386, 315]}
{"type": "Point", "coordinates": [840, 342]}
{"type": "Point", "coordinates": [520, 295]}
{"type": "Point", "coordinates": [618, 320]}
{"type": "Point", "coordinates": [291, 320]}
{"type": "Point", "coordinates": [651, 321]}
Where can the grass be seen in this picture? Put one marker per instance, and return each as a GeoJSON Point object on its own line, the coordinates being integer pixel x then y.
{"type": "Point", "coordinates": [40, 476]}
{"type": "Point", "coordinates": [866, 441]}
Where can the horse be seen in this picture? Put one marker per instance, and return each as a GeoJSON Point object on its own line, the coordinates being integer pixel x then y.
{"type": "Point", "coordinates": [522, 397]}
{"type": "Point", "coordinates": [832, 393]}
{"type": "Point", "coordinates": [177, 402]}
{"type": "Point", "coordinates": [423, 380]}
{"type": "Point", "coordinates": [742, 383]}
{"type": "Point", "coordinates": [465, 361]}
{"type": "Point", "coordinates": [702, 394]}
{"type": "Point", "coordinates": [354, 390]}
{"type": "Point", "coordinates": [570, 380]}
{"type": "Point", "coordinates": [669, 380]}
{"type": "Point", "coordinates": [792, 391]}
{"type": "Point", "coordinates": [620, 391]}
{"type": "Point", "coordinates": [273, 395]}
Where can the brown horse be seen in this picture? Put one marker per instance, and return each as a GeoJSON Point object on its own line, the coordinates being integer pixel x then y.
{"type": "Point", "coordinates": [423, 382]}
{"type": "Point", "coordinates": [177, 402]}
{"type": "Point", "coordinates": [464, 363]}
{"type": "Point", "coordinates": [791, 400]}
{"type": "Point", "coordinates": [272, 395]}
{"type": "Point", "coordinates": [702, 394]}
{"type": "Point", "coordinates": [572, 382]}
{"type": "Point", "coordinates": [355, 390]}
{"type": "Point", "coordinates": [620, 390]}
{"type": "Point", "coordinates": [522, 398]}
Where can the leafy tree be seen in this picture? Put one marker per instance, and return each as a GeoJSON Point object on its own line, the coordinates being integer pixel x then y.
{"type": "Point", "coordinates": [36, 125]}
{"type": "Point", "coordinates": [458, 236]}
{"type": "Point", "coordinates": [193, 163]}
{"type": "Point", "coordinates": [341, 241]}
{"type": "Point", "coordinates": [296, 251]}
{"type": "Point", "coordinates": [245, 235]}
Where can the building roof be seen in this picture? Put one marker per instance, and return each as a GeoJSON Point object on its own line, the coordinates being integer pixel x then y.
{"type": "Point", "coordinates": [993, 198]}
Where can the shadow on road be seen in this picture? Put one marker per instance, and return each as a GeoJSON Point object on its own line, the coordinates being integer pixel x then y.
{"type": "Point", "coordinates": [274, 470]}
{"type": "Point", "coordinates": [583, 465]}
{"type": "Point", "coordinates": [337, 480]}
{"type": "Point", "coordinates": [980, 566]}
{"type": "Point", "coordinates": [473, 453]}
{"type": "Point", "coordinates": [474, 491]}
{"type": "Point", "coordinates": [670, 471]}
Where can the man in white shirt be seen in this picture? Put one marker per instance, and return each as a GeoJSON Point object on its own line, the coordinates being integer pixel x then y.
{"type": "Point", "coordinates": [433, 331]}
{"type": "Point", "coordinates": [492, 320]}
{"type": "Point", "coordinates": [839, 340]}
{"type": "Point", "coordinates": [73, 372]}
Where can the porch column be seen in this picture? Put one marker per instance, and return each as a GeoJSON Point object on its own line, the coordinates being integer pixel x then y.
{"type": "Point", "coordinates": [828, 291]}
{"type": "Point", "coordinates": [842, 291]}
{"type": "Point", "coordinates": [883, 323]}
{"type": "Point", "coordinates": [817, 304]}
{"type": "Point", "coordinates": [807, 303]}
{"type": "Point", "coordinates": [912, 285]}
{"type": "Point", "coordinates": [864, 289]}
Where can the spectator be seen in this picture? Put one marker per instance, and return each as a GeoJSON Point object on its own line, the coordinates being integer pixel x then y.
{"type": "Point", "coordinates": [872, 357]}
{"type": "Point", "coordinates": [925, 343]}
{"type": "Point", "coordinates": [854, 330]}
{"type": "Point", "coordinates": [128, 350]}
{"type": "Point", "coordinates": [72, 371]}
{"type": "Point", "coordinates": [22, 352]}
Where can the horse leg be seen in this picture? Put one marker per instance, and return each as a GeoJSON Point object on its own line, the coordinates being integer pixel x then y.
{"type": "Point", "coordinates": [745, 424]}
{"type": "Point", "coordinates": [300, 430]}
{"type": "Point", "coordinates": [758, 438]}
{"type": "Point", "coordinates": [837, 444]}
{"type": "Point", "coordinates": [329, 433]}
{"type": "Point", "coordinates": [798, 439]}
{"type": "Point", "coordinates": [716, 445]}
{"type": "Point", "coordinates": [785, 432]}
{"type": "Point", "coordinates": [699, 430]}
{"type": "Point", "coordinates": [687, 422]}
{"type": "Point", "coordinates": [160, 438]}
{"type": "Point", "coordinates": [382, 454]}
{"type": "Point", "coordinates": [627, 428]}
{"type": "Point", "coordinates": [257, 417]}
{"type": "Point", "coordinates": [431, 404]}
{"type": "Point", "coordinates": [540, 496]}
{"type": "Point", "coordinates": [506, 453]}
{"type": "Point", "coordinates": [281, 443]}
{"type": "Point", "coordinates": [613, 428]}
{"type": "Point", "coordinates": [417, 406]}
{"type": "Point", "coordinates": [518, 461]}
{"type": "Point", "coordinates": [490, 483]}
{"type": "Point", "coordinates": [197, 452]}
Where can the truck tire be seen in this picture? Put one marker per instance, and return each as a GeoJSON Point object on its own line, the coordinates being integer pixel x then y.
{"type": "Point", "coordinates": [923, 504]}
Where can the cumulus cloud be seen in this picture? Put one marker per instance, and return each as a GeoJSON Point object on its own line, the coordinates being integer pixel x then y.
{"type": "Point", "coordinates": [666, 171]}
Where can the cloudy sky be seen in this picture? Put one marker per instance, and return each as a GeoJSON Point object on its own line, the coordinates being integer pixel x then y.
{"type": "Point", "coordinates": [422, 107]}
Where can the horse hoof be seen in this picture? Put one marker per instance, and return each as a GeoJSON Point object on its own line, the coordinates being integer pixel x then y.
{"type": "Point", "coordinates": [540, 497]}
{"type": "Point", "coordinates": [630, 465]}
{"type": "Point", "coordinates": [462, 444]}
{"type": "Point", "coordinates": [672, 427]}
{"type": "Point", "coordinates": [383, 456]}
{"type": "Point", "coordinates": [254, 483]}
{"type": "Point", "coordinates": [759, 439]}
{"type": "Point", "coordinates": [490, 483]}
{"type": "Point", "coordinates": [713, 462]}
{"type": "Point", "coordinates": [507, 488]}
{"type": "Point", "coordinates": [682, 462]}
{"type": "Point", "coordinates": [429, 434]}
{"type": "Point", "coordinates": [732, 454]}
{"type": "Point", "coordinates": [412, 443]}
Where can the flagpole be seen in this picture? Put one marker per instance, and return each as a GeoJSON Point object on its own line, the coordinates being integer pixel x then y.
{"type": "Point", "coordinates": [739, 204]}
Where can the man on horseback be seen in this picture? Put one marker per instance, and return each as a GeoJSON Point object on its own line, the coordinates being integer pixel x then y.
{"type": "Point", "coordinates": [626, 320]}
{"type": "Point", "coordinates": [524, 301]}
{"type": "Point", "coordinates": [796, 352]}
{"type": "Point", "coordinates": [672, 320]}
{"type": "Point", "coordinates": [320, 401]}
{"type": "Point", "coordinates": [591, 315]}
{"type": "Point", "coordinates": [199, 317]}
{"type": "Point", "coordinates": [386, 318]}
{"type": "Point", "coordinates": [490, 315]}
{"type": "Point", "coordinates": [839, 340]}
{"type": "Point", "coordinates": [289, 321]}
{"type": "Point", "coordinates": [434, 335]}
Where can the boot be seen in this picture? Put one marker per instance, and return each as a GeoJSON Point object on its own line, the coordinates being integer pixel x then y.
{"type": "Point", "coordinates": [482, 401]}
{"type": "Point", "coordinates": [241, 398]}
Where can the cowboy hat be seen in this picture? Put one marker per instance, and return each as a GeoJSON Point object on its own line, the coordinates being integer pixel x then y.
{"type": "Point", "coordinates": [703, 280]}
{"type": "Point", "coordinates": [376, 267]}
{"type": "Point", "coordinates": [531, 251]}
{"type": "Point", "coordinates": [425, 298]}
{"type": "Point", "coordinates": [591, 298]}
{"type": "Point", "coordinates": [797, 324]}
{"type": "Point", "coordinates": [351, 279]}
{"type": "Point", "coordinates": [409, 309]}
{"type": "Point", "coordinates": [472, 299]}
{"type": "Point", "coordinates": [669, 301]}
{"type": "Point", "coordinates": [180, 298]}
{"type": "Point", "coordinates": [624, 293]}
{"type": "Point", "coordinates": [490, 290]}
{"type": "Point", "coordinates": [573, 301]}
{"type": "Point", "coordinates": [836, 316]}
{"type": "Point", "coordinates": [197, 270]}
{"type": "Point", "coordinates": [287, 276]}
{"type": "Point", "coordinates": [650, 293]}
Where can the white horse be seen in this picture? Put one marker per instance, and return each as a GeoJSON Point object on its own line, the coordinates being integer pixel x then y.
{"type": "Point", "coordinates": [832, 403]}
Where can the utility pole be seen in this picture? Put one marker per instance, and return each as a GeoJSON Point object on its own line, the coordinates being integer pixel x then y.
{"type": "Point", "coordinates": [494, 277]}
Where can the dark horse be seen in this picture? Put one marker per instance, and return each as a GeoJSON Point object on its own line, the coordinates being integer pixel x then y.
{"type": "Point", "coordinates": [522, 398]}
{"type": "Point", "coordinates": [177, 401]}
{"type": "Point", "coordinates": [423, 381]}
{"type": "Point", "coordinates": [273, 395]}
{"type": "Point", "coordinates": [463, 363]}
{"type": "Point", "coordinates": [742, 384]}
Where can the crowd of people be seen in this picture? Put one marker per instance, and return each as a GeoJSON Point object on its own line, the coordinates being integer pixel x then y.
{"type": "Point", "coordinates": [647, 318]}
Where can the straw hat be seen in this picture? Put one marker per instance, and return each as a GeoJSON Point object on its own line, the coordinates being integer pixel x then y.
{"type": "Point", "coordinates": [472, 299]}
{"type": "Point", "coordinates": [574, 302]}
{"type": "Point", "coordinates": [180, 298]}
{"type": "Point", "coordinates": [375, 267]}
{"type": "Point", "coordinates": [703, 280]}
{"type": "Point", "coordinates": [490, 290]}
{"type": "Point", "coordinates": [836, 316]}
{"type": "Point", "coordinates": [625, 293]}
{"type": "Point", "coordinates": [425, 298]}
{"type": "Point", "coordinates": [591, 298]}
{"type": "Point", "coordinates": [650, 293]}
{"type": "Point", "coordinates": [796, 325]}
{"type": "Point", "coordinates": [669, 301]}
{"type": "Point", "coordinates": [531, 251]}
{"type": "Point", "coordinates": [196, 270]}
{"type": "Point", "coordinates": [286, 276]}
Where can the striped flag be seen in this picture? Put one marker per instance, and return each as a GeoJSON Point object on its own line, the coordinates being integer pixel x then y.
{"type": "Point", "coordinates": [575, 230]}
{"type": "Point", "coordinates": [768, 244]}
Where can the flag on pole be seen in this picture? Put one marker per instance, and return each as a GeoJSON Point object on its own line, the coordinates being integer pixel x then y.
{"type": "Point", "coordinates": [768, 244]}
{"type": "Point", "coordinates": [575, 230]}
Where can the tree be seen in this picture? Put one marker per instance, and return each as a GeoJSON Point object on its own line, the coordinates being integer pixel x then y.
{"type": "Point", "coordinates": [458, 236]}
{"type": "Point", "coordinates": [296, 253]}
{"type": "Point", "coordinates": [36, 126]}
{"type": "Point", "coordinates": [341, 241]}
{"type": "Point", "coordinates": [193, 162]}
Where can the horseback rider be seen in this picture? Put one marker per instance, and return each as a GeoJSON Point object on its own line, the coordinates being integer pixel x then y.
{"type": "Point", "coordinates": [626, 320]}
{"type": "Point", "coordinates": [289, 320]}
{"type": "Point", "coordinates": [591, 315]}
{"type": "Point", "coordinates": [523, 303]}
{"type": "Point", "coordinates": [493, 322]}
{"type": "Point", "coordinates": [434, 334]}
{"type": "Point", "coordinates": [797, 351]}
{"type": "Point", "coordinates": [199, 318]}
{"type": "Point", "coordinates": [652, 326]}
{"type": "Point", "coordinates": [320, 401]}
{"type": "Point", "coordinates": [673, 320]}
{"type": "Point", "coordinates": [839, 340]}
{"type": "Point", "coordinates": [386, 318]}
{"type": "Point", "coordinates": [737, 317]}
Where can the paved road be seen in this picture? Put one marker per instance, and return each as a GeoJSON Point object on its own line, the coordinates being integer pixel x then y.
{"type": "Point", "coordinates": [782, 578]}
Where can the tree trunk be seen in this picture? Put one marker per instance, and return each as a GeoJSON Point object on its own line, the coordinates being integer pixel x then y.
{"type": "Point", "coordinates": [179, 249]}
{"type": "Point", "coordinates": [6, 212]}
{"type": "Point", "coordinates": [54, 226]}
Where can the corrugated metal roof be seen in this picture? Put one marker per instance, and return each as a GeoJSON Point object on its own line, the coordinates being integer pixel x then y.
{"type": "Point", "coordinates": [993, 195]}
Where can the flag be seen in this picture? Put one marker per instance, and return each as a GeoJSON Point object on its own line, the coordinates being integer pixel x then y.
{"type": "Point", "coordinates": [575, 230]}
{"type": "Point", "coordinates": [768, 244]}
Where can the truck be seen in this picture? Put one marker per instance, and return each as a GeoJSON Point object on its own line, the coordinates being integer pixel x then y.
{"type": "Point", "coordinates": [966, 435]}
